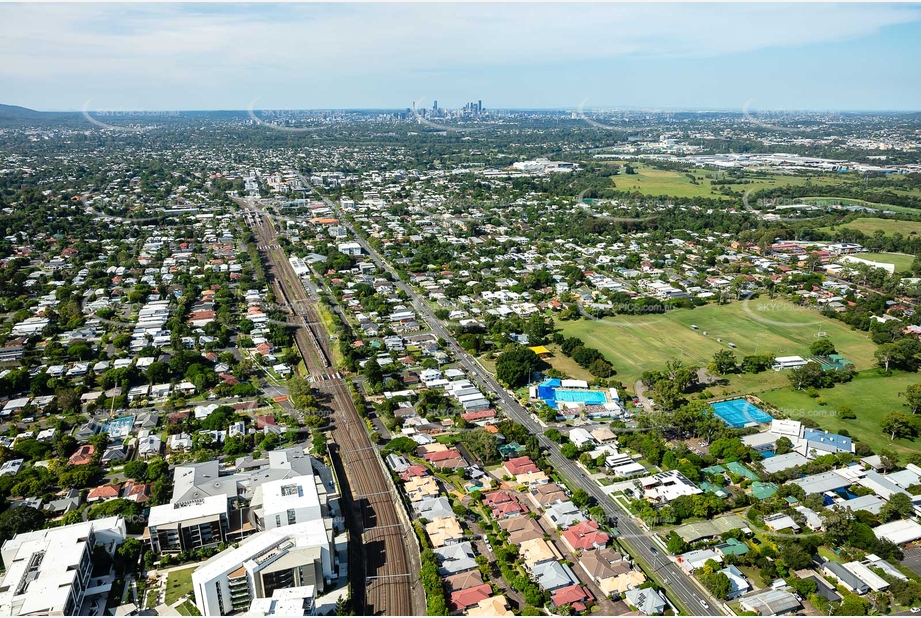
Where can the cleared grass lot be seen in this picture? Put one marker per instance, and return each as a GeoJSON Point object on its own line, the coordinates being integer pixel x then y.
{"type": "Point", "coordinates": [634, 344]}
{"type": "Point", "coordinates": [651, 181]}
{"type": "Point", "coordinates": [902, 261]}
{"type": "Point", "coordinates": [871, 395]}
{"type": "Point", "coordinates": [869, 225]}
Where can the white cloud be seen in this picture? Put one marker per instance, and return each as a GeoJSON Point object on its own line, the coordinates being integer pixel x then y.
{"type": "Point", "coordinates": [178, 45]}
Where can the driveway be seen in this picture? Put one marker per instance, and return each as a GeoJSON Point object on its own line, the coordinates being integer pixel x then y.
{"type": "Point", "coordinates": [912, 558]}
{"type": "Point", "coordinates": [495, 575]}
{"type": "Point", "coordinates": [606, 607]}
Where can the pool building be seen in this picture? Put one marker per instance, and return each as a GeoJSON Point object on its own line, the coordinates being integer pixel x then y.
{"type": "Point", "coordinates": [561, 394]}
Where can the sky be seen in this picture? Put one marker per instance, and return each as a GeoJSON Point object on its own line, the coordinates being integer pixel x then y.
{"type": "Point", "coordinates": [149, 57]}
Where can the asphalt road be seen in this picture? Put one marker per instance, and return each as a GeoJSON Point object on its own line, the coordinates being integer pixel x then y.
{"type": "Point", "coordinates": [637, 541]}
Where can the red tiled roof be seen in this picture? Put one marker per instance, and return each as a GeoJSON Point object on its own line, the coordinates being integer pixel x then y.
{"type": "Point", "coordinates": [571, 594]}
{"type": "Point", "coordinates": [413, 472]}
{"type": "Point", "coordinates": [585, 535]}
{"type": "Point", "coordinates": [507, 509]}
{"type": "Point", "coordinates": [104, 491]}
{"type": "Point", "coordinates": [462, 599]}
{"type": "Point", "coordinates": [82, 455]}
{"type": "Point", "coordinates": [476, 416]}
{"type": "Point", "coordinates": [520, 465]}
{"type": "Point", "coordinates": [442, 455]}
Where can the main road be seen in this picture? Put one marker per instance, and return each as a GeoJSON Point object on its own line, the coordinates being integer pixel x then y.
{"type": "Point", "coordinates": [637, 540]}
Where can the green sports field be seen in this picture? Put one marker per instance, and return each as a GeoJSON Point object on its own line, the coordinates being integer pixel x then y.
{"type": "Point", "coordinates": [634, 344]}
{"type": "Point", "coordinates": [902, 261]}
{"type": "Point", "coordinates": [847, 201]}
{"type": "Point", "coordinates": [871, 395]}
{"type": "Point", "coordinates": [651, 181]}
{"type": "Point", "coordinates": [869, 225]}
{"type": "Point", "coordinates": [679, 183]}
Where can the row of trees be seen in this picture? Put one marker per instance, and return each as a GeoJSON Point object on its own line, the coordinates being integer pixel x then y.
{"type": "Point", "coordinates": [585, 356]}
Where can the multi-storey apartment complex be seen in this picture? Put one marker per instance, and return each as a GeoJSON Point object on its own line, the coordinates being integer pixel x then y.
{"type": "Point", "coordinates": [48, 572]}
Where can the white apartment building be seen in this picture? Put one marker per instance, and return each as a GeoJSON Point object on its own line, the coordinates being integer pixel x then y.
{"type": "Point", "coordinates": [286, 557]}
{"type": "Point", "coordinates": [48, 572]}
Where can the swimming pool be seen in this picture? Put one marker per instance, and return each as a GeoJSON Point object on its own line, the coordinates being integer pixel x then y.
{"type": "Point", "coordinates": [589, 398]}
{"type": "Point", "coordinates": [739, 413]}
{"type": "Point", "coordinates": [119, 428]}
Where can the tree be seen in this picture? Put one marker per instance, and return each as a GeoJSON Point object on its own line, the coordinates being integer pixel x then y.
{"type": "Point", "coordinates": [136, 470]}
{"type": "Point", "coordinates": [581, 498]}
{"type": "Point", "coordinates": [886, 354]}
{"type": "Point", "coordinates": [912, 397]}
{"type": "Point", "coordinates": [898, 507]}
{"type": "Point", "coordinates": [822, 347]}
{"type": "Point", "coordinates": [402, 444]}
{"type": "Point", "coordinates": [838, 524]}
{"type": "Point", "coordinates": [724, 361]}
{"type": "Point", "coordinates": [569, 450]}
{"type": "Point", "coordinates": [158, 372]}
{"type": "Point", "coordinates": [129, 552]}
{"type": "Point", "coordinates": [600, 368]}
{"type": "Point", "coordinates": [795, 556]}
{"type": "Point", "coordinates": [783, 446]}
{"type": "Point", "coordinates": [846, 413]}
{"type": "Point", "coordinates": [810, 375]}
{"type": "Point", "coordinates": [676, 544]}
{"type": "Point", "coordinates": [897, 425]}
{"type": "Point", "coordinates": [482, 444]}
{"type": "Point", "coordinates": [19, 519]}
{"type": "Point", "coordinates": [373, 372]}
{"type": "Point", "coordinates": [514, 366]}
{"type": "Point", "coordinates": [718, 584]}
{"type": "Point", "coordinates": [756, 363]}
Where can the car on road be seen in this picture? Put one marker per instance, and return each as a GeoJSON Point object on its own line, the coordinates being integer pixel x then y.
{"type": "Point", "coordinates": [655, 552]}
{"type": "Point", "coordinates": [705, 604]}
{"type": "Point", "coordinates": [915, 610]}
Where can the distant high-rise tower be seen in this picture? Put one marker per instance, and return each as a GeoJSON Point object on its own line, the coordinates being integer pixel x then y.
{"type": "Point", "coordinates": [479, 106]}
{"type": "Point", "coordinates": [435, 106]}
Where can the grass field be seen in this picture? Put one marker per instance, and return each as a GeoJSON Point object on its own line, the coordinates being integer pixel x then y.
{"type": "Point", "coordinates": [634, 344]}
{"type": "Point", "coordinates": [563, 363]}
{"type": "Point", "coordinates": [869, 225]}
{"type": "Point", "coordinates": [178, 584]}
{"type": "Point", "coordinates": [652, 181]}
{"type": "Point", "coordinates": [871, 396]}
{"type": "Point", "coordinates": [902, 261]}
{"type": "Point", "coordinates": [847, 201]}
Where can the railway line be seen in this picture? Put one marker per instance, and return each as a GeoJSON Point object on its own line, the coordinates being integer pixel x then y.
{"type": "Point", "coordinates": [384, 562]}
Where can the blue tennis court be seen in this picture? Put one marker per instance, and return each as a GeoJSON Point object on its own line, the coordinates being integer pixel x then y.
{"type": "Point", "coordinates": [740, 413]}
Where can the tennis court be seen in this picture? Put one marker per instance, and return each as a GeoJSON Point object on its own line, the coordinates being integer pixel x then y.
{"type": "Point", "coordinates": [740, 413]}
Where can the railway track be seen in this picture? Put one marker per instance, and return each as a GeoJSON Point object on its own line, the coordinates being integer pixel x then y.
{"type": "Point", "coordinates": [384, 564]}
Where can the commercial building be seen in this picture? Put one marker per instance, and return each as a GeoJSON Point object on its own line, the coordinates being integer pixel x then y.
{"type": "Point", "coordinates": [48, 572]}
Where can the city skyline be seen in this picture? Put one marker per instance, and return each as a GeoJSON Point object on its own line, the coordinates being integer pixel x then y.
{"type": "Point", "coordinates": [318, 56]}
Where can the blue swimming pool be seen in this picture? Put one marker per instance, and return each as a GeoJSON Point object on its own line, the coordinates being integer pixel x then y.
{"type": "Point", "coordinates": [739, 413]}
{"type": "Point", "coordinates": [589, 398]}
